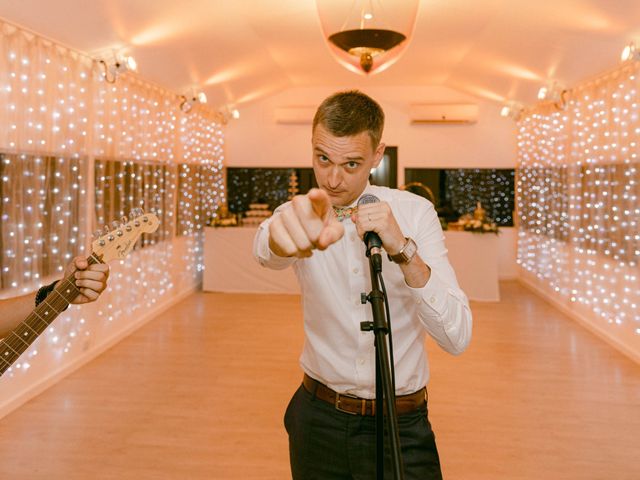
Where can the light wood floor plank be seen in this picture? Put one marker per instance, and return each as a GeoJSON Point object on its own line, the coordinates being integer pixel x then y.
{"type": "Point", "coordinates": [199, 393]}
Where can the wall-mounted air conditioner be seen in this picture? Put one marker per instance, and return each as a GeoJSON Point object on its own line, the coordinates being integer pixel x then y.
{"type": "Point", "coordinates": [448, 113]}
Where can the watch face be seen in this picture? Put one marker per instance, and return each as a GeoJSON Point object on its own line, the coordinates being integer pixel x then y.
{"type": "Point", "coordinates": [410, 249]}
{"type": "Point", "coordinates": [408, 252]}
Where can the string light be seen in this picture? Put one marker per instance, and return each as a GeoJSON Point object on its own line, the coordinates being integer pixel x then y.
{"type": "Point", "coordinates": [60, 113]}
{"type": "Point", "coordinates": [578, 197]}
{"type": "Point", "coordinates": [46, 88]}
{"type": "Point", "coordinates": [252, 185]}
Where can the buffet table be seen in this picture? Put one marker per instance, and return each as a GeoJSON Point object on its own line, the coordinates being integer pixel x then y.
{"type": "Point", "coordinates": [230, 266]}
{"type": "Point", "coordinates": [474, 257]}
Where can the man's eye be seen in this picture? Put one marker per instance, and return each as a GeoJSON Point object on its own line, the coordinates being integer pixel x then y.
{"type": "Point", "coordinates": [352, 165]}
{"type": "Point", "coordinates": [323, 158]}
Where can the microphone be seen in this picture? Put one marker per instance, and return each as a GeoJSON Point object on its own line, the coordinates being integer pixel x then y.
{"type": "Point", "coordinates": [372, 239]}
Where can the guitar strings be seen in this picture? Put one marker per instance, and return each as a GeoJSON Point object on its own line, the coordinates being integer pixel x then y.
{"type": "Point", "coordinates": [20, 338]}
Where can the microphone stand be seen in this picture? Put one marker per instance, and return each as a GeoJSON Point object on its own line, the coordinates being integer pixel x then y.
{"type": "Point", "coordinates": [385, 394]}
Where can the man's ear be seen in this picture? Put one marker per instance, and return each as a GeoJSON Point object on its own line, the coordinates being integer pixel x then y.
{"type": "Point", "coordinates": [379, 153]}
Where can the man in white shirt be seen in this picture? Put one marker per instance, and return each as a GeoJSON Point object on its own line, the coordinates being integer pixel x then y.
{"type": "Point", "coordinates": [330, 419]}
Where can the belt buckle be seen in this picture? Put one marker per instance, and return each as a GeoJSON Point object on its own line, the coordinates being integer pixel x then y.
{"type": "Point", "coordinates": [340, 409]}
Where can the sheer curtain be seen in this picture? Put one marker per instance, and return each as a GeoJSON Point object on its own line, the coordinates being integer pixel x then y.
{"type": "Point", "coordinates": [76, 153]}
{"type": "Point", "coordinates": [45, 99]}
{"type": "Point", "coordinates": [134, 145]}
{"type": "Point", "coordinates": [64, 130]}
{"type": "Point", "coordinates": [201, 175]}
{"type": "Point", "coordinates": [578, 197]}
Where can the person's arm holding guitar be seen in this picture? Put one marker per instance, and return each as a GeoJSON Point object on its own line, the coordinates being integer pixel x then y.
{"type": "Point", "coordinates": [91, 280]}
{"type": "Point", "coordinates": [83, 282]}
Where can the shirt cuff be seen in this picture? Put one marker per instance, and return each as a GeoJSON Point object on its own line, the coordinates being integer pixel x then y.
{"type": "Point", "coordinates": [265, 255]}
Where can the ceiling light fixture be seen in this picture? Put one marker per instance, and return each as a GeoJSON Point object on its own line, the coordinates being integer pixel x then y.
{"type": "Point", "coordinates": [120, 64]}
{"type": "Point", "coordinates": [512, 110]}
{"type": "Point", "coordinates": [630, 53]}
{"type": "Point", "coordinates": [363, 36]}
{"type": "Point", "coordinates": [553, 92]}
{"type": "Point", "coordinates": [228, 112]}
{"type": "Point", "coordinates": [190, 99]}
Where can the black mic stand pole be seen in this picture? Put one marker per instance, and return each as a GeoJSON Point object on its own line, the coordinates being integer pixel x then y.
{"type": "Point", "coordinates": [385, 394]}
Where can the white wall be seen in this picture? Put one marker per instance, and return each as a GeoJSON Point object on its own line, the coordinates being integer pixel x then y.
{"type": "Point", "coordinates": [255, 140]}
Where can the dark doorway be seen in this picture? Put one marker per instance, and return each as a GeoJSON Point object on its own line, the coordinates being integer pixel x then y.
{"type": "Point", "coordinates": [386, 175]}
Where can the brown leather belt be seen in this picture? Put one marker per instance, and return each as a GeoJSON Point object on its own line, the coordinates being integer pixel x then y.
{"type": "Point", "coordinates": [362, 406]}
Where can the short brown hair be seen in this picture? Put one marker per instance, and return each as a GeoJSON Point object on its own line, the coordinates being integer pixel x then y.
{"type": "Point", "coordinates": [349, 113]}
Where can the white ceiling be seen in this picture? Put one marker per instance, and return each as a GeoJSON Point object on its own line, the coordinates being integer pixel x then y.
{"type": "Point", "coordinates": [239, 51]}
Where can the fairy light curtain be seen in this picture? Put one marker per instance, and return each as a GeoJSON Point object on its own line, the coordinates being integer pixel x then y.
{"type": "Point", "coordinates": [201, 185]}
{"type": "Point", "coordinates": [45, 100]}
{"type": "Point", "coordinates": [64, 131]}
{"type": "Point", "coordinates": [57, 115]}
{"type": "Point", "coordinates": [153, 156]}
{"type": "Point", "coordinates": [578, 192]}
{"type": "Point", "coordinates": [122, 186]}
{"type": "Point", "coordinates": [135, 143]}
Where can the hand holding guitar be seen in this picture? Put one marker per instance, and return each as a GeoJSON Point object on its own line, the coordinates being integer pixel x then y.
{"type": "Point", "coordinates": [83, 282]}
{"type": "Point", "coordinates": [91, 280]}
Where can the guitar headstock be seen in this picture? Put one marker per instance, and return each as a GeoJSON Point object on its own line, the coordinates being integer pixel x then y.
{"type": "Point", "coordinates": [120, 240]}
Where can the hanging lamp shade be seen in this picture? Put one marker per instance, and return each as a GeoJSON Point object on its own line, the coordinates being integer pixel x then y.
{"type": "Point", "coordinates": [367, 36]}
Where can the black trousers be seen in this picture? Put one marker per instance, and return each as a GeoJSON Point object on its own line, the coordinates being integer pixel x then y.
{"type": "Point", "coordinates": [326, 444]}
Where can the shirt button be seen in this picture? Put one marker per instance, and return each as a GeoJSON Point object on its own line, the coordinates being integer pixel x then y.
{"type": "Point", "coordinates": [418, 301]}
{"type": "Point", "coordinates": [432, 299]}
{"type": "Point", "coordinates": [355, 270]}
{"type": "Point", "coordinates": [360, 361]}
{"type": "Point", "coordinates": [354, 237]}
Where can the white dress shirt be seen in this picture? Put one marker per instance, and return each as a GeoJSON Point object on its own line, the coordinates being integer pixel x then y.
{"type": "Point", "coordinates": [336, 352]}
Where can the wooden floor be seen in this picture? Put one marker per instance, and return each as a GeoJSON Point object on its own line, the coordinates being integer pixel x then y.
{"type": "Point", "coordinates": [199, 393]}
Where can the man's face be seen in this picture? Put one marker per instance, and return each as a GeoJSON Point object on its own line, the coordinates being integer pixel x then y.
{"type": "Point", "coordinates": [342, 164]}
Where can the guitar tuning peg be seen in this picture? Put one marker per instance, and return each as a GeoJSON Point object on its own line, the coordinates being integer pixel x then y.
{"type": "Point", "coordinates": [132, 214]}
{"type": "Point", "coordinates": [105, 229]}
{"type": "Point", "coordinates": [97, 234]}
{"type": "Point", "coordinates": [115, 225]}
{"type": "Point", "coordinates": [124, 220]}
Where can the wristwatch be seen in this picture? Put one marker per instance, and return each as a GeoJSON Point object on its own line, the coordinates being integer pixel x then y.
{"type": "Point", "coordinates": [406, 253]}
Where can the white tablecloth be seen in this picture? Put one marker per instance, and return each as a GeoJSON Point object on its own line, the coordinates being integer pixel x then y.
{"type": "Point", "coordinates": [230, 266]}
{"type": "Point", "coordinates": [474, 257]}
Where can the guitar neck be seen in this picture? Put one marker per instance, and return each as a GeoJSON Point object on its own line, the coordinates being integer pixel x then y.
{"type": "Point", "coordinates": [21, 337]}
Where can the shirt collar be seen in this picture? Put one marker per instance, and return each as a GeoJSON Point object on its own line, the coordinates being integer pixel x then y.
{"type": "Point", "coordinates": [367, 189]}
